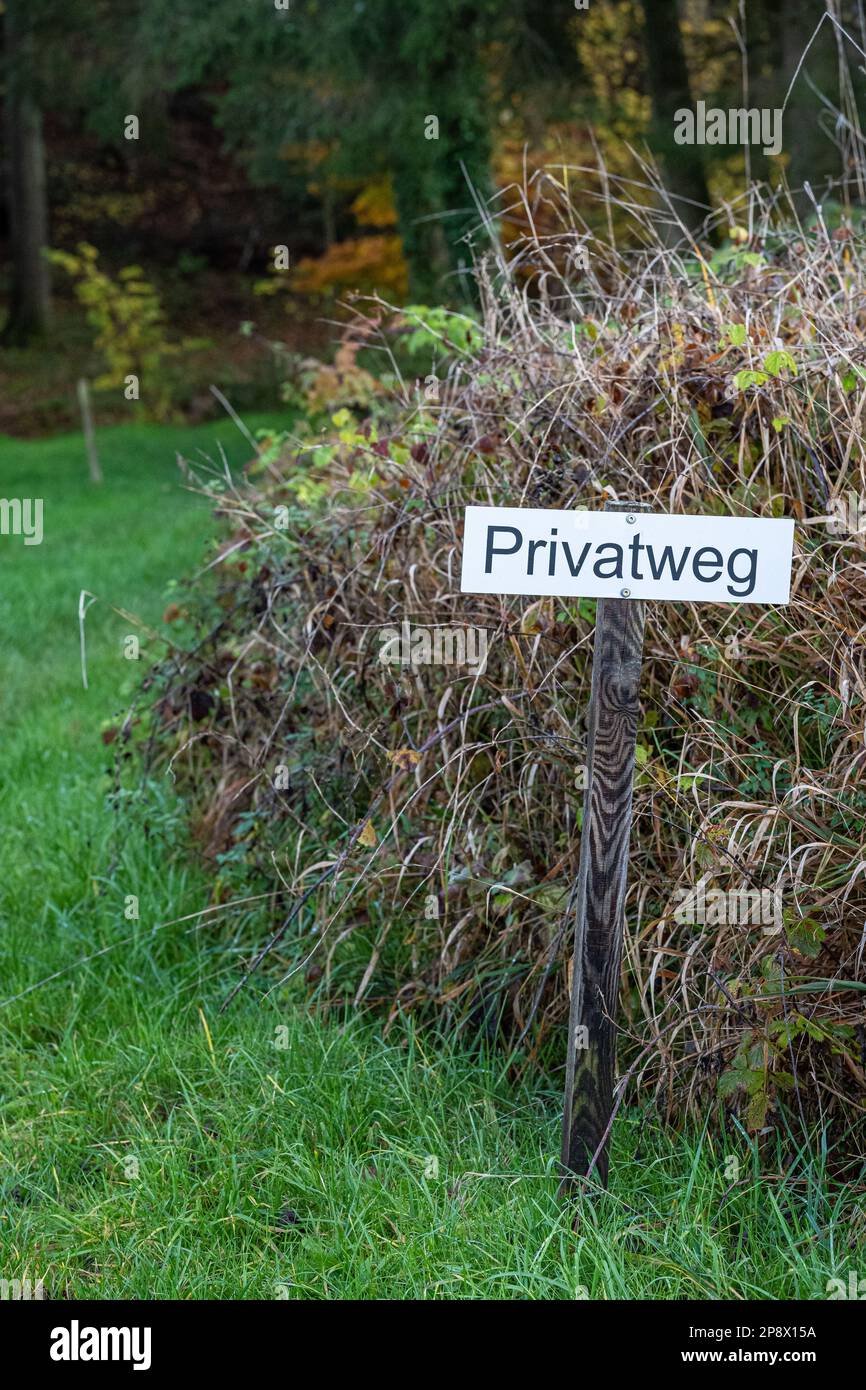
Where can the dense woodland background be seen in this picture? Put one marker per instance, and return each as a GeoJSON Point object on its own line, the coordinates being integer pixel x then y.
{"type": "Point", "coordinates": [306, 127]}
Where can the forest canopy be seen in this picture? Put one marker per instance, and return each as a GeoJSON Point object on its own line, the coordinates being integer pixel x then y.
{"type": "Point", "coordinates": [378, 142]}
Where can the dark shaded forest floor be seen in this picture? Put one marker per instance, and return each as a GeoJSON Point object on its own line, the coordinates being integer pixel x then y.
{"type": "Point", "coordinates": [38, 383]}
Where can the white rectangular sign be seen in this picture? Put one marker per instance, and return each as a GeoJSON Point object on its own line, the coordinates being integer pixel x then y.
{"type": "Point", "coordinates": [646, 555]}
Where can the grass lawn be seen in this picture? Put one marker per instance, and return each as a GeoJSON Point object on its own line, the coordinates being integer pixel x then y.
{"type": "Point", "coordinates": [149, 1148]}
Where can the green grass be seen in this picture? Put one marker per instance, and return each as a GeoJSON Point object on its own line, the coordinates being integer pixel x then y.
{"type": "Point", "coordinates": [151, 1148]}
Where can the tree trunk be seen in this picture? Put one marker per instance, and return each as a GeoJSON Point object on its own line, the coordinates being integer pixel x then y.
{"type": "Point", "coordinates": [814, 157]}
{"type": "Point", "coordinates": [30, 290]}
{"type": "Point", "coordinates": [437, 177]}
{"type": "Point", "coordinates": [668, 78]}
{"type": "Point", "coordinates": [424, 246]}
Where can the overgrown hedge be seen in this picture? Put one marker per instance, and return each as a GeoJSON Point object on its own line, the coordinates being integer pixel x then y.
{"type": "Point", "coordinates": [417, 829]}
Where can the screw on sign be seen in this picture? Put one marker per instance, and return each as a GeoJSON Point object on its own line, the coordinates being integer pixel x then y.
{"type": "Point", "coordinates": [622, 556]}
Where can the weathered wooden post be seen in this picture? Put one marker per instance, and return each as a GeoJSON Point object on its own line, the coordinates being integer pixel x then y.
{"type": "Point", "coordinates": [87, 427]}
{"type": "Point", "coordinates": [601, 880]}
{"type": "Point", "coordinates": [621, 556]}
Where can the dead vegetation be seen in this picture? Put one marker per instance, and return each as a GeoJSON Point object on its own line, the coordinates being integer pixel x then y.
{"type": "Point", "coordinates": [417, 829]}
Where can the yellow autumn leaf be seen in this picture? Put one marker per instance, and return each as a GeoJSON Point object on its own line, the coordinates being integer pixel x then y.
{"type": "Point", "coordinates": [404, 758]}
{"type": "Point", "coordinates": [534, 618]}
{"type": "Point", "coordinates": [368, 836]}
